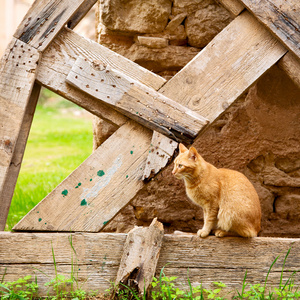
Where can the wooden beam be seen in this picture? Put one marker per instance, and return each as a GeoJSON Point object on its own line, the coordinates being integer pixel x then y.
{"type": "Point", "coordinates": [46, 18]}
{"type": "Point", "coordinates": [136, 100]}
{"type": "Point", "coordinates": [17, 157]}
{"type": "Point", "coordinates": [140, 255]}
{"type": "Point", "coordinates": [80, 13]}
{"type": "Point", "coordinates": [222, 72]}
{"type": "Point", "coordinates": [291, 65]}
{"type": "Point", "coordinates": [98, 189]}
{"type": "Point", "coordinates": [161, 151]}
{"type": "Point", "coordinates": [231, 63]}
{"type": "Point", "coordinates": [17, 74]}
{"type": "Point", "coordinates": [233, 6]}
{"type": "Point", "coordinates": [282, 18]}
{"type": "Point", "coordinates": [99, 256]}
{"type": "Point", "coordinates": [57, 61]}
{"type": "Point", "coordinates": [225, 68]}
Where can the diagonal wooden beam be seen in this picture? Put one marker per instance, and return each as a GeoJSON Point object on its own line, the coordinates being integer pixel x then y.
{"type": "Point", "coordinates": [136, 100]}
{"type": "Point", "coordinates": [58, 59]}
{"type": "Point", "coordinates": [17, 75]}
{"type": "Point", "coordinates": [217, 76]}
{"type": "Point", "coordinates": [46, 18]}
{"type": "Point", "coordinates": [282, 18]}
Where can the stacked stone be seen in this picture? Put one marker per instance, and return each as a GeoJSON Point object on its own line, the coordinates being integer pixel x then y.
{"type": "Point", "coordinates": [160, 35]}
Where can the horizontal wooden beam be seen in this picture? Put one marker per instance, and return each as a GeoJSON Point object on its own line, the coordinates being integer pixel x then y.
{"type": "Point", "coordinates": [99, 255]}
{"type": "Point", "coordinates": [136, 100]}
{"type": "Point", "coordinates": [57, 62]}
{"type": "Point", "coordinates": [282, 18]}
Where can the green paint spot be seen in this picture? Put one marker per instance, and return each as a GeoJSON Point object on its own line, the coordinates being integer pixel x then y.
{"type": "Point", "coordinates": [137, 112]}
{"type": "Point", "coordinates": [126, 176]}
{"type": "Point", "coordinates": [40, 219]}
{"type": "Point", "coordinates": [131, 152]}
{"type": "Point", "coordinates": [100, 173]}
{"type": "Point", "coordinates": [83, 202]}
{"type": "Point", "coordinates": [104, 223]}
{"type": "Point", "coordinates": [37, 212]}
{"type": "Point", "coordinates": [45, 223]}
{"type": "Point", "coordinates": [91, 179]}
{"type": "Point", "coordinates": [78, 185]}
{"type": "Point", "coordinates": [65, 192]}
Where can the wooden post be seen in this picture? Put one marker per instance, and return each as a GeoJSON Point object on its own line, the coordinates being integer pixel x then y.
{"type": "Point", "coordinates": [140, 256]}
{"type": "Point", "coordinates": [17, 75]}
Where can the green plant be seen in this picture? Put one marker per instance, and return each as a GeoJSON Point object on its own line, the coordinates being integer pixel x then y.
{"type": "Point", "coordinates": [21, 289]}
{"type": "Point", "coordinates": [285, 291]}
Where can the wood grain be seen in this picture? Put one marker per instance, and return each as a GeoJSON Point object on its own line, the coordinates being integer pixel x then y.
{"type": "Point", "coordinates": [135, 100]}
{"type": "Point", "coordinates": [57, 62]}
{"type": "Point", "coordinates": [99, 255]}
{"type": "Point", "coordinates": [139, 259]}
{"type": "Point", "coordinates": [161, 152]}
{"type": "Point", "coordinates": [234, 6]}
{"type": "Point", "coordinates": [46, 18]}
{"type": "Point", "coordinates": [17, 74]}
{"type": "Point", "coordinates": [291, 65]}
{"type": "Point", "coordinates": [221, 72]}
{"type": "Point", "coordinates": [282, 18]}
{"type": "Point", "coordinates": [225, 68]}
{"type": "Point", "coordinates": [98, 189]}
{"type": "Point", "coordinates": [17, 157]}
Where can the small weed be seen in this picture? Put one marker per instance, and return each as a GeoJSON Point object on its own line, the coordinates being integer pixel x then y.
{"type": "Point", "coordinates": [21, 289]}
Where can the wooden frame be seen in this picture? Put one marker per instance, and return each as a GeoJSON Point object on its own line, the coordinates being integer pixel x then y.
{"type": "Point", "coordinates": [204, 89]}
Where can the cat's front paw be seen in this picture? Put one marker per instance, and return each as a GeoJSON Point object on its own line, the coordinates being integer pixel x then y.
{"type": "Point", "coordinates": [202, 233]}
{"type": "Point", "coordinates": [221, 233]}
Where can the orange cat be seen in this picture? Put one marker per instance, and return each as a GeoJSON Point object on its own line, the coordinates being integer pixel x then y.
{"type": "Point", "coordinates": [228, 199]}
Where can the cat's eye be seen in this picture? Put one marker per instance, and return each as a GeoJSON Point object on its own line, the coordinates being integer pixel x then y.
{"type": "Point", "coordinates": [180, 166]}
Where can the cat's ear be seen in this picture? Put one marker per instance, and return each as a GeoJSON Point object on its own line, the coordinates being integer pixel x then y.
{"type": "Point", "coordinates": [182, 148]}
{"type": "Point", "coordinates": [193, 154]}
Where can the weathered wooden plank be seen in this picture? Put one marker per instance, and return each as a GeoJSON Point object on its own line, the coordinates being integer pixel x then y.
{"type": "Point", "coordinates": [135, 100]}
{"type": "Point", "coordinates": [98, 189]}
{"type": "Point", "coordinates": [234, 6]}
{"type": "Point", "coordinates": [17, 75]}
{"type": "Point", "coordinates": [222, 72]}
{"type": "Point", "coordinates": [140, 255]}
{"type": "Point", "coordinates": [225, 68]}
{"type": "Point", "coordinates": [57, 62]}
{"type": "Point", "coordinates": [291, 65]}
{"type": "Point", "coordinates": [17, 157]}
{"type": "Point", "coordinates": [281, 17]}
{"type": "Point", "coordinates": [161, 152]}
{"type": "Point", "coordinates": [45, 19]}
{"type": "Point", "coordinates": [203, 260]}
{"type": "Point", "coordinates": [80, 13]}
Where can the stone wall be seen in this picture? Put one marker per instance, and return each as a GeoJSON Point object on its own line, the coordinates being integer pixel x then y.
{"type": "Point", "coordinates": [258, 136]}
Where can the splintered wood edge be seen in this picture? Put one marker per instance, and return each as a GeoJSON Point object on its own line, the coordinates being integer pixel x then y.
{"type": "Point", "coordinates": [140, 256]}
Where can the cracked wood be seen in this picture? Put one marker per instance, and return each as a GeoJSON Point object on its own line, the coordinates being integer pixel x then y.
{"type": "Point", "coordinates": [282, 18]}
{"type": "Point", "coordinates": [135, 100]}
{"type": "Point", "coordinates": [46, 18]}
{"type": "Point", "coordinates": [99, 256]}
{"type": "Point", "coordinates": [17, 75]}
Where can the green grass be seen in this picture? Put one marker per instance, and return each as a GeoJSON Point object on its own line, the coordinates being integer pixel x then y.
{"type": "Point", "coordinates": [58, 142]}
